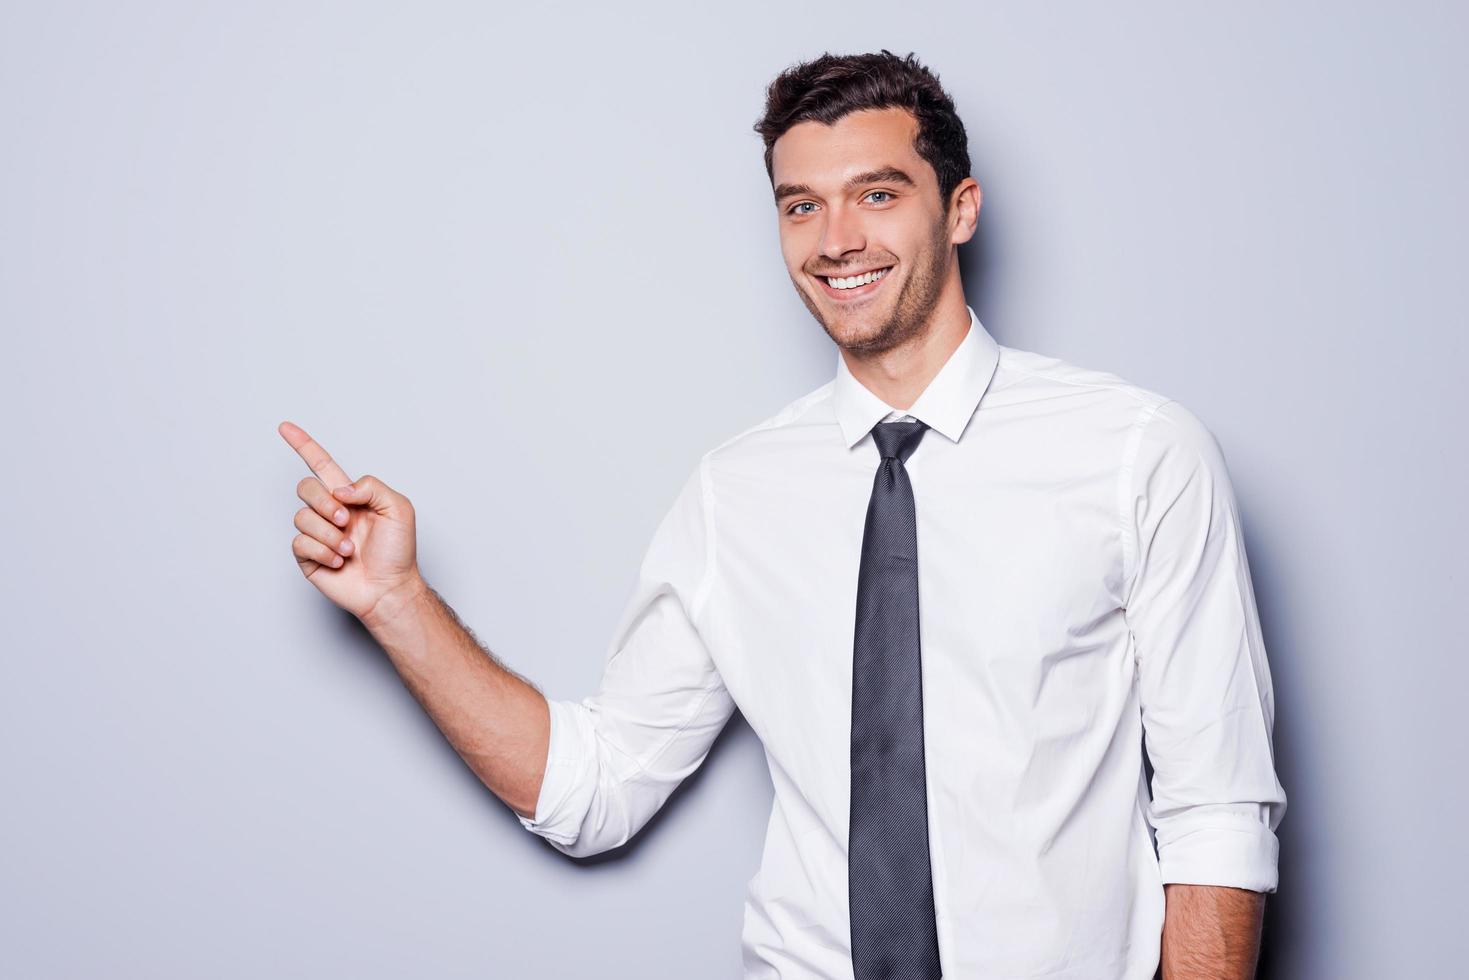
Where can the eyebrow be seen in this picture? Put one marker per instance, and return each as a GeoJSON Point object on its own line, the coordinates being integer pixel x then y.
{"type": "Point", "coordinates": [882, 175]}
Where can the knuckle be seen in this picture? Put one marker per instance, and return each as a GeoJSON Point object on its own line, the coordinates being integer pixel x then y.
{"type": "Point", "coordinates": [304, 485]}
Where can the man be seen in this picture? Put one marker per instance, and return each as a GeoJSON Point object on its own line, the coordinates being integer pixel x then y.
{"type": "Point", "coordinates": [950, 642]}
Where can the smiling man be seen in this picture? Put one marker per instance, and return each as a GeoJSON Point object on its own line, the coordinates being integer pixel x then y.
{"type": "Point", "coordinates": [960, 591]}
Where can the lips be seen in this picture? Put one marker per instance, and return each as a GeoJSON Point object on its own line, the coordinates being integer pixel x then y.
{"type": "Point", "coordinates": [855, 292]}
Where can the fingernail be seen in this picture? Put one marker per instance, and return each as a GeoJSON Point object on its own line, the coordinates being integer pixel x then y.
{"type": "Point", "coordinates": [340, 516]}
{"type": "Point", "coordinates": [346, 546]}
{"type": "Point", "coordinates": [337, 561]}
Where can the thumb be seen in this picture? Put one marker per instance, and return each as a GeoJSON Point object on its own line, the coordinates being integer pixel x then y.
{"type": "Point", "coordinates": [369, 491]}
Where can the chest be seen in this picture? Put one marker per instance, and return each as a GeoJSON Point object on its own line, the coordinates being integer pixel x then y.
{"type": "Point", "coordinates": [1018, 575]}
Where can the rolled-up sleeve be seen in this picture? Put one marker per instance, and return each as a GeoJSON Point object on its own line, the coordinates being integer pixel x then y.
{"type": "Point", "coordinates": [617, 755]}
{"type": "Point", "coordinates": [1203, 679]}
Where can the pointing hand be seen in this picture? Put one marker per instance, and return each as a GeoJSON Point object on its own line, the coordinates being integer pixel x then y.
{"type": "Point", "coordinates": [357, 540]}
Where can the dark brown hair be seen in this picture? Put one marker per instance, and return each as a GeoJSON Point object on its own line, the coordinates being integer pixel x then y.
{"type": "Point", "coordinates": [827, 88]}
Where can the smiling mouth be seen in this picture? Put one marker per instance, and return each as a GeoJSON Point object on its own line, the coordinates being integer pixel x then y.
{"type": "Point", "coordinates": [853, 287]}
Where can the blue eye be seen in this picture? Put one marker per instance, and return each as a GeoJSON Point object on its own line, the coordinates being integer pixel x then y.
{"type": "Point", "coordinates": [795, 208]}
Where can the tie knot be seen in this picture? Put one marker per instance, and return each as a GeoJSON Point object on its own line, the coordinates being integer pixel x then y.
{"type": "Point", "coordinates": [897, 440]}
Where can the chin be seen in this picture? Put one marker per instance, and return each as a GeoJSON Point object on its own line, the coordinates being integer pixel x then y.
{"type": "Point", "coordinates": [852, 326]}
{"type": "Point", "coordinates": [854, 330]}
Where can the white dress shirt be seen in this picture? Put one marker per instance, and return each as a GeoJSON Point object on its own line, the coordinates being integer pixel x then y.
{"type": "Point", "coordinates": [1082, 582]}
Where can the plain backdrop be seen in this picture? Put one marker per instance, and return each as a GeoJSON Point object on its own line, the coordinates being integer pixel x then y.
{"type": "Point", "coordinates": [521, 263]}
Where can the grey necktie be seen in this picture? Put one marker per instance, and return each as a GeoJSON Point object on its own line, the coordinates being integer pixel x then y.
{"type": "Point", "coordinates": [890, 882]}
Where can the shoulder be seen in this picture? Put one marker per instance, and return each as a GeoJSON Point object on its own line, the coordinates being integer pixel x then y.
{"type": "Point", "coordinates": [1023, 375]}
{"type": "Point", "coordinates": [1175, 447]}
{"type": "Point", "coordinates": [1153, 427]}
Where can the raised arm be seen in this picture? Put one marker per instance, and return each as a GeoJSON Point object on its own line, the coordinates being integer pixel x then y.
{"type": "Point", "coordinates": [357, 546]}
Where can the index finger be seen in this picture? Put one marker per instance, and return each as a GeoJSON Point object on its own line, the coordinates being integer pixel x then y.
{"type": "Point", "coordinates": [317, 458]}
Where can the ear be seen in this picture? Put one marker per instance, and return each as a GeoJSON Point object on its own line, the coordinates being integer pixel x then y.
{"type": "Point", "coordinates": [964, 202]}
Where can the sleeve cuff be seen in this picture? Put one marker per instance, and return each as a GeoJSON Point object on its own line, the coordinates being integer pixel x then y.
{"type": "Point", "coordinates": [567, 786]}
{"type": "Point", "coordinates": [1240, 854]}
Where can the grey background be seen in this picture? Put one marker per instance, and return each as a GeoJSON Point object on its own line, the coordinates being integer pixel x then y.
{"type": "Point", "coordinates": [521, 263]}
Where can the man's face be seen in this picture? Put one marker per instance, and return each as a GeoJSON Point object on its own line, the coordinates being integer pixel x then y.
{"type": "Point", "coordinates": [855, 198]}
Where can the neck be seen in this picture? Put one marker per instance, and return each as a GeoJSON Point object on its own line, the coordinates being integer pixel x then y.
{"type": "Point", "coordinates": [898, 376]}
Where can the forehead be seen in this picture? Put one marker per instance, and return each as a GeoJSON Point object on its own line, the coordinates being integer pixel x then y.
{"type": "Point", "coordinates": [819, 155]}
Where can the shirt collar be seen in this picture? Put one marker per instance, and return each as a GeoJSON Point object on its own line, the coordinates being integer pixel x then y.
{"type": "Point", "coordinates": [946, 404]}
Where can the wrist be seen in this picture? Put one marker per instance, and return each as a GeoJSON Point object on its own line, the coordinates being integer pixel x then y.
{"type": "Point", "coordinates": [395, 603]}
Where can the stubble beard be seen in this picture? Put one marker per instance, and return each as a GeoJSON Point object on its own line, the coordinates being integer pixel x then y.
{"type": "Point", "coordinates": [911, 312]}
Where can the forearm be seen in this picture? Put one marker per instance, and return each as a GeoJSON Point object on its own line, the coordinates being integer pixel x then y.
{"type": "Point", "coordinates": [496, 720]}
{"type": "Point", "coordinates": [1211, 932]}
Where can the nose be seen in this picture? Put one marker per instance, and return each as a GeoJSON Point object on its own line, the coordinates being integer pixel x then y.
{"type": "Point", "coordinates": [842, 234]}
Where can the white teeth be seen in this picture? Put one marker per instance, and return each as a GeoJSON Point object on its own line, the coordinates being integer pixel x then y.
{"type": "Point", "coordinates": [850, 282]}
